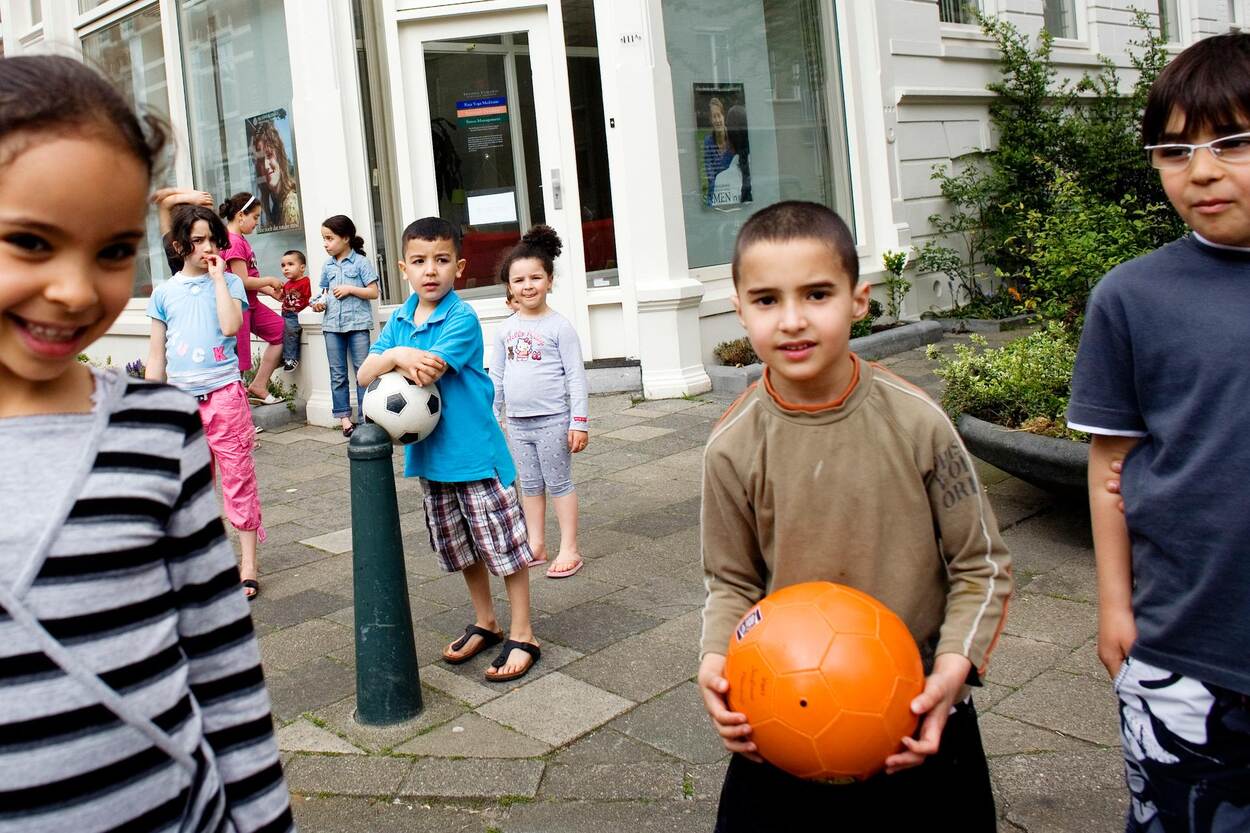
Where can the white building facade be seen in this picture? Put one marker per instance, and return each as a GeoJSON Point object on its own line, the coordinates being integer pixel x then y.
{"type": "Point", "coordinates": [602, 118]}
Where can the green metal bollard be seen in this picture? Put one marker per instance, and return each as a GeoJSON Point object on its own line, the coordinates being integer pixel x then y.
{"type": "Point", "coordinates": [388, 684]}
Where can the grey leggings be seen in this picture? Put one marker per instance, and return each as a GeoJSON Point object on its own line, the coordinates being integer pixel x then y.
{"type": "Point", "coordinates": [540, 449]}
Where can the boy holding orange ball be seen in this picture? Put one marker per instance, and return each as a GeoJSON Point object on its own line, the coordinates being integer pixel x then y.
{"type": "Point", "coordinates": [833, 469]}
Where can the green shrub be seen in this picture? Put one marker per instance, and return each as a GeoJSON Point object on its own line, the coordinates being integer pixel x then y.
{"type": "Point", "coordinates": [1003, 201]}
{"type": "Point", "coordinates": [736, 353]}
{"type": "Point", "coordinates": [1077, 240]}
{"type": "Point", "coordinates": [896, 286]}
{"type": "Point", "coordinates": [1024, 384]}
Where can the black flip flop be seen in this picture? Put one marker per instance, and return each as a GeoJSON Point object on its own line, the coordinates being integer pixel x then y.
{"type": "Point", "coordinates": [489, 638]}
{"type": "Point", "coordinates": [347, 432]}
{"type": "Point", "coordinates": [502, 660]}
{"type": "Point", "coordinates": [251, 584]}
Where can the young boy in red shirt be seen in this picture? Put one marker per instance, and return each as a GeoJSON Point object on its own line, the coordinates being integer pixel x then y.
{"type": "Point", "coordinates": [295, 294]}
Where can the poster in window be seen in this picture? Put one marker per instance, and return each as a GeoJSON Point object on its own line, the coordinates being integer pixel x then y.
{"type": "Point", "coordinates": [720, 116]}
{"type": "Point", "coordinates": [275, 178]}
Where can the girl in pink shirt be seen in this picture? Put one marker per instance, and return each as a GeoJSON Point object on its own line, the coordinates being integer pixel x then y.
{"type": "Point", "coordinates": [240, 214]}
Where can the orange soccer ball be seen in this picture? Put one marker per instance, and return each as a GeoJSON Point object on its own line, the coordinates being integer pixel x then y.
{"type": "Point", "coordinates": [825, 675]}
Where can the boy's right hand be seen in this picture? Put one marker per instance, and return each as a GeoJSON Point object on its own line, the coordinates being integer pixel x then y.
{"type": "Point", "coordinates": [420, 366]}
{"type": "Point", "coordinates": [733, 728]}
{"type": "Point", "coordinates": [1117, 631]}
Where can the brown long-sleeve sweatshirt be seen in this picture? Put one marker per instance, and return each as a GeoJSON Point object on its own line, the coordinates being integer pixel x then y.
{"type": "Point", "coordinates": [875, 490]}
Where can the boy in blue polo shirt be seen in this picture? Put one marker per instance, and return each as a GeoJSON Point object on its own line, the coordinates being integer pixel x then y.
{"type": "Point", "coordinates": [472, 513]}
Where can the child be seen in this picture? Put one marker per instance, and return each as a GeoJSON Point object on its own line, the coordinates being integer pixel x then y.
{"type": "Point", "coordinates": [241, 213]}
{"type": "Point", "coordinates": [474, 520]}
{"type": "Point", "coordinates": [348, 284]}
{"type": "Point", "coordinates": [195, 316]}
{"type": "Point", "coordinates": [537, 370]}
{"type": "Point", "coordinates": [1173, 576]}
{"type": "Point", "coordinates": [295, 294]}
{"type": "Point", "coordinates": [834, 469]}
{"type": "Point", "coordinates": [132, 695]}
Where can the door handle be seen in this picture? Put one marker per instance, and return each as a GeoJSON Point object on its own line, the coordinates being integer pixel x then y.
{"type": "Point", "coordinates": [557, 193]}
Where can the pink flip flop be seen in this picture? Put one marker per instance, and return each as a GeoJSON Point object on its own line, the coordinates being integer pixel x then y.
{"type": "Point", "coordinates": [553, 573]}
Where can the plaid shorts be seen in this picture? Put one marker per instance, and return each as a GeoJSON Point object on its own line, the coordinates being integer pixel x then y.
{"type": "Point", "coordinates": [476, 521]}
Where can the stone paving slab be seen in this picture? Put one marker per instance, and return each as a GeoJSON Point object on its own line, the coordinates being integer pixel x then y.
{"type": "Point", "coordinates": [302, 736]}
{"type": "Point", "coordinates": [473, 778]}
{"type": "Point", "coordinates": [1048, 619]}
{"type": "Point", "coordinates": [610, 817]}
{"type": "Point", "coordinates": [337, 814]}
{"type": "Point", "coordinates": [1073, 704]}
{"type": "Point", "coordinates": [315, 684]}
{"type": "Point", "coordinates": [606, 745]}
{"type": "Point", "coordinates": [1063, 792]}
{"type": "Point", "coordinates": [347, 774]}
{"type": "Point", "coordinates": [337, 542]}
{"type": "Point", "coordinates": [675, 723]}
{"type": "Point", "coordinates": [637, 668]}
{"type": "Point", "coordinates": [472, 736]}
{"type": "Point", "coordinates": [340, 717]}
{"type": "Point", "coordinates": [556, 708]}
{"type": "Point", "coordinates": [614, 781]}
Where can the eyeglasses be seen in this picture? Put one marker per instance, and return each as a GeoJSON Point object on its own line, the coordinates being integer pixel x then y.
{"type": "Point", "coordinates": [1233, 150]}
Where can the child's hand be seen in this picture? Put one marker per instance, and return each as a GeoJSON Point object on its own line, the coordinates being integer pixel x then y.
{"type": "Point", "coordinates": [342, 291]}
{"type": "Point", "coordinates": [1117, 631]}
{"type": "Point", "coordinates": [276, 294]}
{"type": "Point", "coordinates": [578, 440]}
{"type": "Point", "coordinates": [1113, 483]}
{"type": "Point", "coordinates": [950, 672]}
{"type": "Point", "coordinates": [216, 267]}
{"type": "Point", "coordinates": [169, 197]}
{"type": "Point", "coordinates": [420, 366]}
{"type": "Point", "coordinates": [733, 728]}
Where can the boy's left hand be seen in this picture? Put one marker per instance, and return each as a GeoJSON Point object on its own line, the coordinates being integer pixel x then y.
{"type": "Point", "coordinates": [950, 672]}
{"type": "Point", "coordinates": [578, 440]}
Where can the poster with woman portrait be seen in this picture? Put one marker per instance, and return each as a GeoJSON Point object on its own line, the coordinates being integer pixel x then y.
{"type": "Point", "coordinates": [720, 115]}
{"type": "Point", "coordinates": [275, 178]}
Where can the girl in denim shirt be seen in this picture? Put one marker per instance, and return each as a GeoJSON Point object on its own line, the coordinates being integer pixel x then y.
{"type": "Point", "coordinates": [348, 284]}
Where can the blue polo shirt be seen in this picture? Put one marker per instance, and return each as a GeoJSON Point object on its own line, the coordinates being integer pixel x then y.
{"type": "Point", "coordinates": [467, 444]}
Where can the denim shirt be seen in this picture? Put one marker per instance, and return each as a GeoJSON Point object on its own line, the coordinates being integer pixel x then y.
{"type": "Point", "coordinates": [345, 315]}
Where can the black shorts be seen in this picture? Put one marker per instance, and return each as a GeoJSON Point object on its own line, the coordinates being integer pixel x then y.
{"type": "Point", "coordinates": [950, 790]}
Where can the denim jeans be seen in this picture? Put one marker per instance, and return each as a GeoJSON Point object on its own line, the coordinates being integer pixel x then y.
{"type": "Point", "coordinates": [337, 347]}
{"type": "Point", "coordinates": [290, 336]}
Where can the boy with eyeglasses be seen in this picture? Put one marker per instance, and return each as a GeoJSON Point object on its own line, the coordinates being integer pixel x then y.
{"type": "Point", "coordinates": [1163, 385]}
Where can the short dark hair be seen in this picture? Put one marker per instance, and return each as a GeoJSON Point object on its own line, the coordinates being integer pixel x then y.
{"type": "Point", "coordinates": [184, 217]}
{"type": "Point", "coordinates": [431, 228]}
{"type": "Point", "coordinates": [1208, 83]}
{"type": "Point", "coordinates": [798, 220]}
{"type": "Point", "coordinates": [296, 253]}
{"type": "Point", "coordinates": [52, 94]}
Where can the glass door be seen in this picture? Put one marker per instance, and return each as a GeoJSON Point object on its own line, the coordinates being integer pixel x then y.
{"type": "Point", "coordinates": [487, 163]}
{"type": "Point", "coordinates": [486, 138]}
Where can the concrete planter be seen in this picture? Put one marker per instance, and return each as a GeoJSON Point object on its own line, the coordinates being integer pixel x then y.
{"type": "Point", "coordinates": [984, 325]}
{"type": "Point", "coordinates": [1058, 466]}
{"type": "Point", "coordinates": [731, 381]}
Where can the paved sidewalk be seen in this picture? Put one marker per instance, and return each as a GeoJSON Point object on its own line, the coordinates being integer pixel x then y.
{"type": "Point", "coordinates": [608, 733]}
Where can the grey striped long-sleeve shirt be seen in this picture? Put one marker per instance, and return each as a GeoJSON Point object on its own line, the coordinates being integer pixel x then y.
{"type": "Point", "coordinates": [131, 693]}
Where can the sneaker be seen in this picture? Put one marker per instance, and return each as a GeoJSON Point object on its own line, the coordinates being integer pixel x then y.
{"type": "Point", "coordinates": [290, 366]}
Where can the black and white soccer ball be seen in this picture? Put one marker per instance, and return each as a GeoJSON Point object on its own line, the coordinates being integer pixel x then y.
{"type": "Point", "coordinates": [407, 411]}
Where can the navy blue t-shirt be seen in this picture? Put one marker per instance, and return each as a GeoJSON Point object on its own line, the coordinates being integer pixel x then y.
{"type": "Point", "coordinates": [1165, 355]}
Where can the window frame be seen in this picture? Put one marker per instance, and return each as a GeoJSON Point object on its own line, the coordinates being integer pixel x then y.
{"type": "Point", "coordinates": [1080, 20]}
{"type": "Point", "coordinates": [1238, 15]}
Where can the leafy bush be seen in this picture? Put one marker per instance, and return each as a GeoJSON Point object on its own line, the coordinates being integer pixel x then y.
{"type": "Point", "coordinates": [1077, 240]}
{"type": "Point", "coordinates": [736, 353]}
{"type": "Point", "coordinates": [896, 286]}
{"type": "Point", "coordinates": [1001, 200]}
{"type": "Point", "coordinates": [1024, 384]}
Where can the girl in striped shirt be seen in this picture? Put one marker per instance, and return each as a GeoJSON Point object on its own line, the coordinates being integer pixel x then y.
{"type": "Point", "coordinates": [131, 694]}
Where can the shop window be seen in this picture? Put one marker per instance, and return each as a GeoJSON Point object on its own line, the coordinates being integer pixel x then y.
{"type": "Point", "coordinates": [1059, 18]}
{"type": "Point", "coordinates": [959, 11]}
{"type": "Point", "coordinates": [238, 88]}
{"type": "Point", "coordinates": [131, 54]}
{"type": "Point", "coordinates": [759, 114]}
